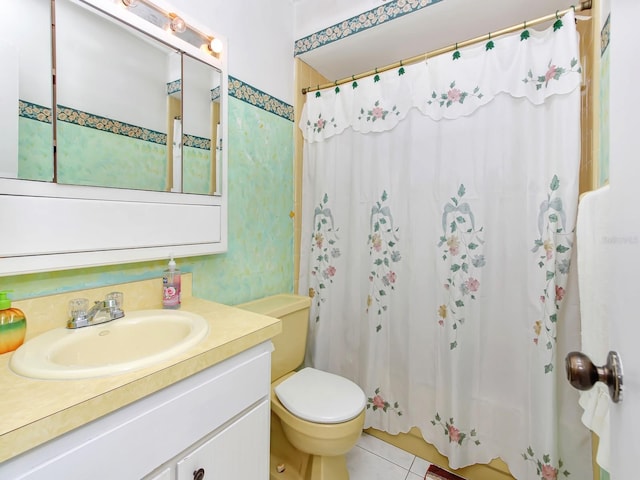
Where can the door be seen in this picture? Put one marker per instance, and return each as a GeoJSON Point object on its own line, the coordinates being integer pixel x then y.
{"type": "Point", "coordinates": [623, 243]}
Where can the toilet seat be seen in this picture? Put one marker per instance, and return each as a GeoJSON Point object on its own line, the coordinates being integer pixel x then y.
{"type": "Point", "coordinates": [321, 397]}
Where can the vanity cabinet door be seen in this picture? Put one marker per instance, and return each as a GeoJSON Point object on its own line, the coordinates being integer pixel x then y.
{"type": "Point", "coordinates": [240, 451]}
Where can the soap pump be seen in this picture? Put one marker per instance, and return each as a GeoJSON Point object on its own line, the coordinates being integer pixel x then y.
{"type": "Point", "coordinates": [171, 286]}
{"type": "Point", "coordinates": [13, 325]}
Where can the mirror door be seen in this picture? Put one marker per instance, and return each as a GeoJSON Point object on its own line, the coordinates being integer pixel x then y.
{"type": "Point", "coordinates": [113, 97]}
{"type": "Point", "coordinates": [201, 139]}
{"type": "Point", "coordinates": [26, 128]}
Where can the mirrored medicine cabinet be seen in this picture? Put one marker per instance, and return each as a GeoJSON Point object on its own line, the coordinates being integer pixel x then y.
{"type": "Point", "coordinates": [110, 122]}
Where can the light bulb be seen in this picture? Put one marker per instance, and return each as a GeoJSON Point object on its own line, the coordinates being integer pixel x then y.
{"type": "Point", "coordinates": [177, 24]}
{"type": "Point", "coordinates": [215, 45]}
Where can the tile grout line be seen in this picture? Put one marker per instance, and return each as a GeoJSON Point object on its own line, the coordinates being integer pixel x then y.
{"type": "Point", "coordinates": [390, 461]}
{"type": "Point", "coordinates": [409, 471]}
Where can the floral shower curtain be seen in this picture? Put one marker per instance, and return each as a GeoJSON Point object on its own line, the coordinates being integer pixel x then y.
{"type": "Point", "coordinates": [439, 204]}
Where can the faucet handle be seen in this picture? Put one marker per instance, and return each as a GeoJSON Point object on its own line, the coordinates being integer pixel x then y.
{"type": "Point", "coordinates": [78, 312]}
{"type": "Point", "coordinates": [114, 300]}
{"type": "Point", "coordinates": [78, 307]}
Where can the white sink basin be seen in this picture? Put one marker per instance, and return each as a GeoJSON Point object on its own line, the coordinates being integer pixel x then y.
{"type": "Point", "coordinates": [138, 340]}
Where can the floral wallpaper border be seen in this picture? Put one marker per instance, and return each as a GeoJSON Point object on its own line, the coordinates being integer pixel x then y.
{"type": "Point", "coordinates": [197, 142]}
{"type": "Point", "coordinates": [237, 89]}
{"type": "Point", "coordinates": [71, 115]}
{"type": "Point", "coordinates": [245, 92]}
{"type": "Point", "coordinates": [215, 93]}
{"type": "Point", "coordinates": [34, 111]}
{"type": "Point", "coordinates": [176, 86]}
{"type": "Point", "coordinates": [85, 119]}
{"type": "Point", "coordinates": [371, 18]}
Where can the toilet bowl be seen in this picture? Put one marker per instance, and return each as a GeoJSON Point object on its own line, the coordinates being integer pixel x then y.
{"type": "Point", "coordinates": [316, 416]}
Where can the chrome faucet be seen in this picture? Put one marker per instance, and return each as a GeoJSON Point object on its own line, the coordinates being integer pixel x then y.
{"type": "Point", "coordinates": [102, 311]}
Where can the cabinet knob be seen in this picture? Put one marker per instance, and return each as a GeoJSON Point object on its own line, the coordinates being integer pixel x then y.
{"type": "Point", "coordinates": [198, 474]}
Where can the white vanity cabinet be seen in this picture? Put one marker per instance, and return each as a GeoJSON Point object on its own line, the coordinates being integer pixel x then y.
{"type": "Point", "coordinates": [216, 420]}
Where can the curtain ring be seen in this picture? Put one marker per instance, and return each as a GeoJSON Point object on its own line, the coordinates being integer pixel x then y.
{"type": "Point", "coordinates": [525, 25]}
{"type": "Point", "coordinates": [557, 14]}
{"type": "Point", "coordinates": [401, 63]}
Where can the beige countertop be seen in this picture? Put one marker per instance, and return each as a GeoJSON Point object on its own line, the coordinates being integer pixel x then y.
{"type": "Point", "coordinates": [35, 411]}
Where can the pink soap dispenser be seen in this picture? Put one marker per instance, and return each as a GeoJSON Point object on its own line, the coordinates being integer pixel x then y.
{"type": "Point", "coordinates": [171, 286]}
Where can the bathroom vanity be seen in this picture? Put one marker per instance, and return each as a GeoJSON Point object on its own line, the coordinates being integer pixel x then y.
{"type": "Point", "coordinates": [216, 420]}
{"type": "Point", "coordinates": [204, 414]}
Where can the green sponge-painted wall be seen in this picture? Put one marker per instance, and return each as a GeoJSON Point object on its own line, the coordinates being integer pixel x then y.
{"type": "Point", "coordinates": [116, 159]}
{"type": "Point", "coordinates": [259, 261]}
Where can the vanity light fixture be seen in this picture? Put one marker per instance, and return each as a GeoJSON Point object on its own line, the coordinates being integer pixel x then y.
{"type": "Point", "coordinates": [158, 16]}
{"type": "Point", "coordinates": [215, 45]}
{"type": "Point", "coordinates": [177, 24]}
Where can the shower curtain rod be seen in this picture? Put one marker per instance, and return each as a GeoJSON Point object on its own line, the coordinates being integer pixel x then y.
{"type": "Point", "coordinates": [585, 5]}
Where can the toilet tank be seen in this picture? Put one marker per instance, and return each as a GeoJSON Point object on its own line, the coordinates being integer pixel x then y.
{"type": "Point", "coordinates": [290, 344]}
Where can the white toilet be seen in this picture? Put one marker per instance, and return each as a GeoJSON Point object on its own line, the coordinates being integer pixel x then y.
{"type": "Point", "coordinates": [316, 416]}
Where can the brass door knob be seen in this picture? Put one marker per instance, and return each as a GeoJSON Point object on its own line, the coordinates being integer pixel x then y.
{"type": "Point", "coordinates": [583, 374]}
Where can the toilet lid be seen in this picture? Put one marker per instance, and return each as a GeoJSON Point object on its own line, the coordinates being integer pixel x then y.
{"type": "Point", "coordinates": [321, 397]}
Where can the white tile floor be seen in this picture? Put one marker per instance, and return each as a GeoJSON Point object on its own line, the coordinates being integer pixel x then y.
{"type": "Point", "coordinates": [373, 459]}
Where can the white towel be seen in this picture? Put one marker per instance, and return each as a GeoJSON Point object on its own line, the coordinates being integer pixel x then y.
{"type": "Point", "coordinates": [593, 215]}
{"type": "Point", "coordinates": [177, 156]}
{"type": "Point", "coordinates": [218, 158]}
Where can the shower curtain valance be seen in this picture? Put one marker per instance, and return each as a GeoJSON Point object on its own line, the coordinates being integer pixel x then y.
{"type": "Point", "coordinates": [450, 86]}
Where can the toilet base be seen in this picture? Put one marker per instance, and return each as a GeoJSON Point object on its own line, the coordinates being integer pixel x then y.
{"type": "Point", "coordinates": [327, 468]}
{"type": "Point", "coordinates": [290, 473]}
{"type": "Point", "coordinates": [318, 468]}
{"type": "Point", "coordinates": [284, 454]}
{"type": "Point", "coordinates": [300, 465]}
